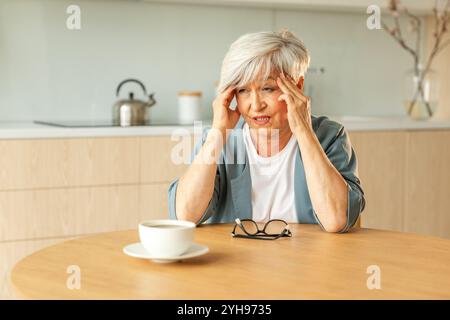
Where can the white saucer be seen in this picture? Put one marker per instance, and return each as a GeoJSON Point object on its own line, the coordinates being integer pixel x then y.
{"type": "Point", "coordinates": [136, 250]}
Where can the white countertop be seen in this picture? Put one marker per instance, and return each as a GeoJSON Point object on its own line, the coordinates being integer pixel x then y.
{"type": "Point", "coordinates": [30, 130]}
{"type": "Point", "coordinates": [390, 123]}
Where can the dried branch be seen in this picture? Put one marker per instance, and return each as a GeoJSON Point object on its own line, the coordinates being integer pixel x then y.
{"type": "Point", "coordinates": [441, 29]}
{"type": "Point", "coordinates": [393, 33]}
{"type": "Point", "coordinates": [445, 44]}
{"type": "Point", "coordinates": [396, 10]}
{"type": "Point", "coordinates": [418, 28]}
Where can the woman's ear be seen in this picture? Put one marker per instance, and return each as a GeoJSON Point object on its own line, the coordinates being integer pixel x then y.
{"type": "Point", "coordinates": [300, 83]}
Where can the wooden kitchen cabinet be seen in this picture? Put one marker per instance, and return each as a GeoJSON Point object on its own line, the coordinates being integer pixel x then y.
{"type": "Point", "coordinates": [406, 179]}
{"type": "Point", "coordinates": [68, 187]}
{"type": "Point", "coordinates": [156, 160]}
{"type": "Point", "coordinates": [153, 201]}
{"type": "Point", "coordinates": [427, 200]}
{"type": "Point", "coordinates": [381, 164]}
{"type": "Point", "coordinates": [51, 163]}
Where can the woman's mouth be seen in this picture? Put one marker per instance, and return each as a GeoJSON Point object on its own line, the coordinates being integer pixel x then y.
{"type": "Point", "coordinates": [261, 120]}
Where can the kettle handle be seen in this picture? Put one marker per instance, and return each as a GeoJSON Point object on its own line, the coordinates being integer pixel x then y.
{"type": "Point", "coordinates": [130, 80]}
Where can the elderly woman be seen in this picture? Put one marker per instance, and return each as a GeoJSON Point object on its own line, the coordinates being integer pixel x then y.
{"type": "Point", "coordinates": [311, 174]}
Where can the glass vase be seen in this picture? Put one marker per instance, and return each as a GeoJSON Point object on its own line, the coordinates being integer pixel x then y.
{"type": "Point", "coordinates": [421, 93]}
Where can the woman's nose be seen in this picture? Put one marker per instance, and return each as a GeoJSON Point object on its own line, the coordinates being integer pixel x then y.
{"type": "Point", "coordinates": [256, 103]}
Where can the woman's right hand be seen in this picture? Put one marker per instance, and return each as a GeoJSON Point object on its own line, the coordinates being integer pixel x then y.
{"type": "Point", "coordinates": [224, 118]}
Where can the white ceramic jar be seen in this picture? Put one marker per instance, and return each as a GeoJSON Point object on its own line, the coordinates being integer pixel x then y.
{"type": "Point", "coordinates": [189, 106]}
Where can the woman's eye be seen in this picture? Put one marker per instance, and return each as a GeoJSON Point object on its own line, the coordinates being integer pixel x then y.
{"type": "Point", "coordinates": [268, 89]}
{"type": "Point", "coordinates": [241, 90]}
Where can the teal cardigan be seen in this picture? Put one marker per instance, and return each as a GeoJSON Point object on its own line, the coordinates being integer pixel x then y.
{"type": "Point", "coordinates": [231, 198]}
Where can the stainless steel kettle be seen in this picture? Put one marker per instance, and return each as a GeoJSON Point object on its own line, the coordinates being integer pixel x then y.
{"type": "Point", "coordinates": [132, 112]}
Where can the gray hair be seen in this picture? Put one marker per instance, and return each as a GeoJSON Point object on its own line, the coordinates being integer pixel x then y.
{"type": "Point", "coordinates": [261, 53]}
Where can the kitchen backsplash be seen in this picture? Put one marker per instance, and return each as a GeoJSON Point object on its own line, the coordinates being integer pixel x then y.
{"type": "Point", "coordinates": [50, 72]}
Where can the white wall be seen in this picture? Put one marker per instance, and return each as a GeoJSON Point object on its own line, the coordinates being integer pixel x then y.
{"type": "Point", "coordinates": [50, 72]}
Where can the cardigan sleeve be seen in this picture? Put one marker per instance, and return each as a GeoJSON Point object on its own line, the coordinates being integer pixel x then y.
{"type": "Point", "coordinates": [337, 146]}
{"type": "Point", "coordinates": [213, 203]}
{"type": "Point", "coordinates": [343, 157]}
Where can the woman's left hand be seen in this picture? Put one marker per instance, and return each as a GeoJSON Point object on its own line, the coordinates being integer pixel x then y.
{"type": "Point", "coordinates": [298, 105]}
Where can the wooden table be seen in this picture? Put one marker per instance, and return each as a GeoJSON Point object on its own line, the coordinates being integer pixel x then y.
{"type": "Point", "coordinates": [312, 264]}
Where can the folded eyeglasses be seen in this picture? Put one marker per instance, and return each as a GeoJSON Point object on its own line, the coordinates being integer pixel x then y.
{"type": "Point", "coordinates": [272, 229]}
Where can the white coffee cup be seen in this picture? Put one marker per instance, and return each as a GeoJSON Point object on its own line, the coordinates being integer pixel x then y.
{"type": "Point", "coordinates": [166, 238]}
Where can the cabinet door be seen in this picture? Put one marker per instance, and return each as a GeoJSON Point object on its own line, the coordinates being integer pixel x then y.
{"type": "Point", "coordinates": [381, 158]}
{"type": "Point", "coordinates": [51, 163]}
{"type": "Point", "coordinates": [154, 201]}
{"type": "Point", "coordinates": [427, 203]}
{"type": "Point", "coordinates": [162, 158]}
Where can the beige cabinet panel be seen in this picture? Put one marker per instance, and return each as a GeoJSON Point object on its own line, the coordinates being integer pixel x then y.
{"type": "Point", "coordinates": [427, 203]}
{"type": "Point", "coordinates": [13, 252]}
{"type": "Point", "coordinates": [381, 163]}
{"type": "Point", "coordinates": [103, 161]}
{"type": "Point", "coordinates": [44, 163]}
{"type": "Point", "coordinates": [157, 164]}
{"type": "Point", "coordinates": [154, 201]}
{"type": "Point", "coordinates": [65, 212]}
{"type": "Point", "coordinates": [26, 164]}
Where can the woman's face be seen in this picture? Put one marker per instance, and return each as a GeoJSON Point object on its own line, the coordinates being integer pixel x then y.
{"type": "Point", "coordinates": [258, 104]}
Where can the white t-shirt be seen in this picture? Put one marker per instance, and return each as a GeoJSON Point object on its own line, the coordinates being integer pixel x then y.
{"type": "Point", "coordinates": [272, 181]}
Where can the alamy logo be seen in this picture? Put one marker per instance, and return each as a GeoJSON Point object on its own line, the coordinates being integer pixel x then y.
{"type": "Point", "coordinates": [73, 21]}
{"type": "Point", "coordinates": [374, 20]}
{"type": "Point", "coordinates": [233, 151]}
{"type": "Point", "coordinates": [374, 280]}
{"type": "Point", "coordinates": [74, 280]}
